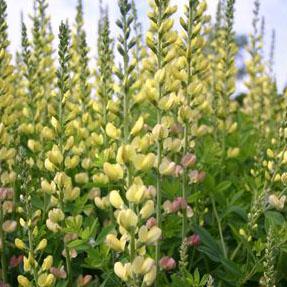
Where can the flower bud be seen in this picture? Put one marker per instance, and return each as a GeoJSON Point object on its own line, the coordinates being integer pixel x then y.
{"type": "Point", "coordinates": [47, 263]}
{"type": "Point", "coordinates": [23, 281]}
{"type": "Point", "coordinates": [127, 219]}
{"type": "Point", "coordinates": [193, 240]}
{"type": "Point", "coordinates": [113, 171]}
{"type": "Point", "coordinates": [116, 200]}
{"type": "Point", "coordinates": [20, 244]}
{"type": "Point", "coordinates": [115, 244]}
{"type": "Point", "coordinates": [138, 126]}
{"type": "Point", "coordinates": [42, 245]}
{"type": "Point", "coordinates": [147, 210]}
{"type": "Point", "coordinates": [9, 226]}
{"type": "Point", "coordinates": [167, 263]}
{"type": "Point", "coordinates": [112, 131]}
{"type": "Point", "coordinates": [149, 237]}
{"type": "Point", "coordinates": [123, 271]}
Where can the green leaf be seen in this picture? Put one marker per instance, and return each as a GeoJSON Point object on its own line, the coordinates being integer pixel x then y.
{"type": "Point", "coordinates": [273, 219]}
{"type": "Point", "coordinates": [103, 234]}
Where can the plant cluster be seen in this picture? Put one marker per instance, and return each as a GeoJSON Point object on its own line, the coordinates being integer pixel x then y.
{"type": "Point", "coordinates": [144, 168]}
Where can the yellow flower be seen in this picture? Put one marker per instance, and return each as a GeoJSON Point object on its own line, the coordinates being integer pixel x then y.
{"type": "Point", "coordinates": [114, 243]}
{"type": "Point", "coordinates": [112, 131]}
{"type": "Point", "coordinates": [116, 200]}
{"type": "Point", "coordinates": [125, 154]}
{"type": "Point", "coordinates": [23, 281]}
{"type": "Point", "coordinates": [149, 237]}
{"type": "Point", "coordinates": [42, 245]}
{"type": "Point", "coordinates": [127, 219]}
{"type": "Point", "coordinates": [144, 162]}
{"type": "Point", "coordinates": [20, 244]}
{"type": "Point", "coordinates": [123, 271]}
{"type": "Point", "coordinates": [233, 152]}
{"type": "Point", "coordinates": [138, 126]}
{"type": "Point", "coordinates": [47, 263]}
{"type": "Point", "coordinates": [135, 193]}
{"type": "Point", "coordinates": [141, 265]}
{"type": "Point", "coordinates": [147, 210]}
{"type": "Point", "coordinates": [46, 280]}
{"type": "Point", "coordinates": [150, 276]}
{"type": "Point", "coordinates": [113, 171]}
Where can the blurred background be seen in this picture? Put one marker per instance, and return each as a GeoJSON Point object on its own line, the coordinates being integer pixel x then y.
{"type": "Point", "coordinates": [274, 12]}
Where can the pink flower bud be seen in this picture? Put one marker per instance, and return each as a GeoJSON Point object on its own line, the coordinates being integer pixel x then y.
{"type": "Point", "coordinates": [188, 160]}
{"type": "Point", "coordinates": [151, 222]}
{"type": "Point", "coordinates": [3, 193]}
{"type": "Point", "coordinates": [167, 263]}
{"type": "Point", "coordinates": [193, 240]}
{"type": "Point", "coordinates": [15, 261]}
{"type": "Point", "coordinates": [84, 280]}
{"type": "Point", "coordinates": [178, 170]}
{"type": "Point", "coordinates": [59, 273]}
{"type": "Point", "coordinates": [196, 176]}
{"type": "Point", "coordinates": [179, 204]}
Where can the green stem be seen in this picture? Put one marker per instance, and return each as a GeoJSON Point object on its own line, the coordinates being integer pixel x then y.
{"type": "Point", "coordinates": [219, 227]}
{"type": "Point", "coordinates": [184, 185]}
{"type": "Point", "coordinates": [68, 264]}
{"type": "Point", "coordinates": [3, 258]}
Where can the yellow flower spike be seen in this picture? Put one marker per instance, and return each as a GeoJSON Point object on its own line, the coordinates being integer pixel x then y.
{"type": "Point", "coordinates": [115, 244]}
{"type": "Point", "coordinates": [116, 200]}
{"type": "Point", "coordinates": [42, 245]}
{"type": "Point", "coordinates": [123, 271]}
{"type": "Point", "coordinates": [149, 277]}
{"type": "Point", "coordinates": [149, 237]}
{"type": "Point", "coordinates": [147, 210]}
{"type": "Point", "coordinates": [135, 194]}
{"type": "Point", "coordinates": [113, 171]}
{"type": "Point", "coordinates": [47, 263]}
{"type": "Point", "coordinates": [127, 219]}
{"type": "Point", "coordinates": [23, 281]}
{"type": "Point", "coordinates": [138, 126]}
{"type": "Point", "coordinates": [112, 131]}
{"type": "Point", "coordinates": [233, 152]}
{"type": "Point", "coordinates": [20, 244]}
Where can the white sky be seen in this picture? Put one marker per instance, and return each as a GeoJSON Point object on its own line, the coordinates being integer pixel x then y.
{"type": "Point", "coordinates": [275, 12]}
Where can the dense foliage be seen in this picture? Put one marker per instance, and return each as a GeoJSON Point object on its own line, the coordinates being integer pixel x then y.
{"type": "Point", "coordinates": [144, 168]}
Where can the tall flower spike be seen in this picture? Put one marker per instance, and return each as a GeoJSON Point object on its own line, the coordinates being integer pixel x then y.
{"type": "Point", "coordinates": [191, 47]}
{"type": "Point", "coordinates": [159, 39]}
